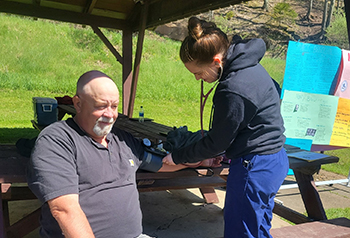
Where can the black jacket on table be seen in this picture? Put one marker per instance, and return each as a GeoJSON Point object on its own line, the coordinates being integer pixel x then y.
{"type": "Point", "coordinates": [247, 118]}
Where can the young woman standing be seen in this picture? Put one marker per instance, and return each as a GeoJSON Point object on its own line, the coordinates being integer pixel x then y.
{"type": "Point", "coordinates": [247, 125]}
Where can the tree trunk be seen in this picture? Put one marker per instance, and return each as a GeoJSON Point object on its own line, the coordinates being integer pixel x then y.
{"type": "Point", "coordinates": [330, 13]}
{"type": "Point", "coordinates": [266, 5]}
{"type": "Point", "coordinates": [324, 19]}
{"type": "Point", "coordinates": [307, 17]}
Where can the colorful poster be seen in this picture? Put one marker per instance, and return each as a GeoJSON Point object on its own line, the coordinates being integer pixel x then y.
{"type": "Point", "coordinates": [309, 116]}
{"type": "Point", "coordinates": [341, 128]}
{"type": "Point", "coordinates": [342, 88]}
{"type": "Point", "coordinates": [311, 68]}
{"type": "Point", "coordinates": [304, 144]}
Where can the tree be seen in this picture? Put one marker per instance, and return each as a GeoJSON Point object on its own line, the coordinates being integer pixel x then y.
{"type": "Point", "coordinates": [330, 13]}
{"type": "Point", "coordinates": [327, 16]}
{"type": "Point", "coordinates": [307, 16]}
{"type": "Point", "coordinates": [266, 5]}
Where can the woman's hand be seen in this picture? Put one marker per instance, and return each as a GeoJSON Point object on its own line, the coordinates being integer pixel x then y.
{"type": "Point", "coordinates": [168, 160]}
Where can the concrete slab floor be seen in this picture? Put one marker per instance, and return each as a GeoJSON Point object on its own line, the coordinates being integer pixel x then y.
{"type": "Point", "coordinates": [183, 213]}
{"type": "Point", "coordinates": [167, 214]}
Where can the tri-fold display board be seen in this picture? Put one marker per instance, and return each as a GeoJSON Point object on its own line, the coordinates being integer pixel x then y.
{"type": "Point", "coordinates": [316, 95]}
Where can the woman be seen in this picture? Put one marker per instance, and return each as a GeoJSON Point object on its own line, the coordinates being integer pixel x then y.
{"type": "Point", "coordinates": [247, 125]}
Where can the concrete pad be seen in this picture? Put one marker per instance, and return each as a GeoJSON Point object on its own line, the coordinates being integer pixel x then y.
{"type": "Point", "coordinates": [184, 213]}
{"type": "Point", "coordinates": [167, 214]}
{"type": "Point", "coordinates": [332, 196]}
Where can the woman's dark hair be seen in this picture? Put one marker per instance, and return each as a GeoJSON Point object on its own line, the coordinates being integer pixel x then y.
{"type": "Point", "coordinates": [204, 41]}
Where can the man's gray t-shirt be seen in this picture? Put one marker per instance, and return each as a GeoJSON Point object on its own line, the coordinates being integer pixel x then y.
{"type": "Point", "coordinates": [66, 160]}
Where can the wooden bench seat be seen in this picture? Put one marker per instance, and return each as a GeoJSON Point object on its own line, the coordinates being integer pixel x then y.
{"type": "Point", "coordinates": [334, 228]}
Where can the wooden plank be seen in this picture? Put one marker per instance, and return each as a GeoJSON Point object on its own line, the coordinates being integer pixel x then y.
{"type": "Point", "coordinates": [127, 68]}
{"type": "Point", "coordinates": [183, 183]}
{"type": "Point", "coordinates": [138, 54]}
{"type": "Point", "coordinates": [38, 11]}
{"type": "Point", "coordinates": [339, 227]}
{"type": "Point", "coordinates": [147, 129]}
{"type": "Point", "coordinates": [310, 196]}
{"type": "Point", "coordinates": [289, 214]}
{"type": "Point", "coordinates": [2, 219]}
{"type": "Point", "coordinates": [69, 109]}
{"type": "Point", "coordinates": [18, 193]}
{"type": "Point", "coordinates": [184, 173]}
{"type": "Point", "coordinates": [209, 195]}
{"type": "Point", "coordinates": [24, 226]}
{"type": "Point", "coordinates": [107, 43]}
{"type": "Point", "coordinates": [299, 163]}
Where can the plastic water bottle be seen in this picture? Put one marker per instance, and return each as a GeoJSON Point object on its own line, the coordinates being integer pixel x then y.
{"type": "Point", "coordinates": [141, 115]}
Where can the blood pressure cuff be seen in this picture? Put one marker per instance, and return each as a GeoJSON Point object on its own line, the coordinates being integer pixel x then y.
{"type": "Point", "coordinates": [151, 161]}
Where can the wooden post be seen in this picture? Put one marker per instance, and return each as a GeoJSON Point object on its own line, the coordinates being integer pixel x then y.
{"type": "Point", "coordinates": [2, 221]}
{"type": "Point", "coordinates": [310, 196]}
{"type": "Point", "coordinates": [127, 68]}
{"type": "Point", "coordinates": [138, 58]}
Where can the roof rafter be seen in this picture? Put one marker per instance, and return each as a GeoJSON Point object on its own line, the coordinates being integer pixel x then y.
{"type": "Point", "coordinates": [61, 15]}
{"type": "Point", "coordinates": [90, 6]}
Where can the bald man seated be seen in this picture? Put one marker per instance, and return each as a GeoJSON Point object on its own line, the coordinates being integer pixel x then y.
{"type": "Point", "coordinates": [83, 170]}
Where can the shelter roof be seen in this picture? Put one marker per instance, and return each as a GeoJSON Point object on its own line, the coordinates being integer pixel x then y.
{"type": "Point", "coordinates": [115, 14]}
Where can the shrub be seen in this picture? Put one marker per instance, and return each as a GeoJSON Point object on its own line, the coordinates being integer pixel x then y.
{"type": "Point", "coordinates": [282, 12]}
{"type": "Point", "coordinates": [229, 15]}
{"type": "Point", "coordinates": [336, 33]}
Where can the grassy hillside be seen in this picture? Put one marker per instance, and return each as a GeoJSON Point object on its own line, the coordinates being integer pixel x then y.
{"type": "Point", "coordinates": [44, 59]}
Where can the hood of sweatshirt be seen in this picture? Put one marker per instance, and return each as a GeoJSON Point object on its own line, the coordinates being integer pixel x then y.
{"type": "Point", "coordinates": [242, 54]}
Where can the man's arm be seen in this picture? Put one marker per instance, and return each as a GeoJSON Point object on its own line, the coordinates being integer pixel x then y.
{"type": "Point", "coordinates": [172, 168]}
{"type": "Point", "coordinates": [70, 217]}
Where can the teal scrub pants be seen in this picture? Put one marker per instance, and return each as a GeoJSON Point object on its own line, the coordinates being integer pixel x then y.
{"type": "Point", "coordinates": [252, 184]}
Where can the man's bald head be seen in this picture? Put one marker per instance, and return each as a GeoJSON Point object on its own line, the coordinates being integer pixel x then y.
{"type": "Point", "coordinates": [87, 78]}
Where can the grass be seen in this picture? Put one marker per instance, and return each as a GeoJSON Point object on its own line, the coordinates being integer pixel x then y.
{"type": "Point", "coordinates": [338, 212]}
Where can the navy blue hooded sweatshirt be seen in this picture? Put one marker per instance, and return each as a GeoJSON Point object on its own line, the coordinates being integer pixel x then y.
{"type": "Point", "coordinates": [247, 118]}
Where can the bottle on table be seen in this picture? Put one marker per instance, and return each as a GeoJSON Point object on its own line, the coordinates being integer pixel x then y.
{"type": "Point", "coordinates": [141, 115]}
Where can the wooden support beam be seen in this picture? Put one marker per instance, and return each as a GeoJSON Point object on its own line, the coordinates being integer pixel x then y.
{"type": "Point", "coordinates": [127, 68]}
{"type": "Point", "coordinates": [290, 215]}
{"type": "Point", "coordinates": [90, 6]}
{"type": "Point", "coordinates": [138, 58]}
{"type": "Point", "coordinates": [2, 220]}
{"type": "Point", "coordinates": [107, 43]}
{"type": "Point", "coordinates": [61, 15]}
{"type": "Point", "coordinates": [209, 195]}
{"type": "Point", "coordinates": [25, 225]}
{"type": "Point", "coordinates": [310, 196]}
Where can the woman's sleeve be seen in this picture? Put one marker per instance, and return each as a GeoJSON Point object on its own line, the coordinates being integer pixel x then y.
{"type": "Point", "coordinates": [231, 114]}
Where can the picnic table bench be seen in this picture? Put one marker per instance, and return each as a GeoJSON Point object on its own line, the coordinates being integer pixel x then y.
{"type": "Point", "coordinates": [338, 227]}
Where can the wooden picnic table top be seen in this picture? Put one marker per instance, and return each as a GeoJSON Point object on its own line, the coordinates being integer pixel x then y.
{"type": "Point", "coordinates": [12, 164]}
{"type": "Point", "coordinates": [15, 163]}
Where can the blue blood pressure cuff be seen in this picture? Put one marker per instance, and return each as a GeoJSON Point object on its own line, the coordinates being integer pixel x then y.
{"type": "Point", "coordinates": [151, 161]}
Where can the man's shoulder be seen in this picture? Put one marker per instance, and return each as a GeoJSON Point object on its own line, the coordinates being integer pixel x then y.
{"type": "Point", "coordinates": [55, 127]}
{"type": "Point", "coordinates": [59, 129]}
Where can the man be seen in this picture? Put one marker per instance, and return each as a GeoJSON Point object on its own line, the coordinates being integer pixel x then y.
{"type": "Point", "coordinates": [83, 169]}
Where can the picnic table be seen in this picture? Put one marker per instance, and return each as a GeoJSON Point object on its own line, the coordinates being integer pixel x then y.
{"type": "Point", "coordinates": [12, 172]}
